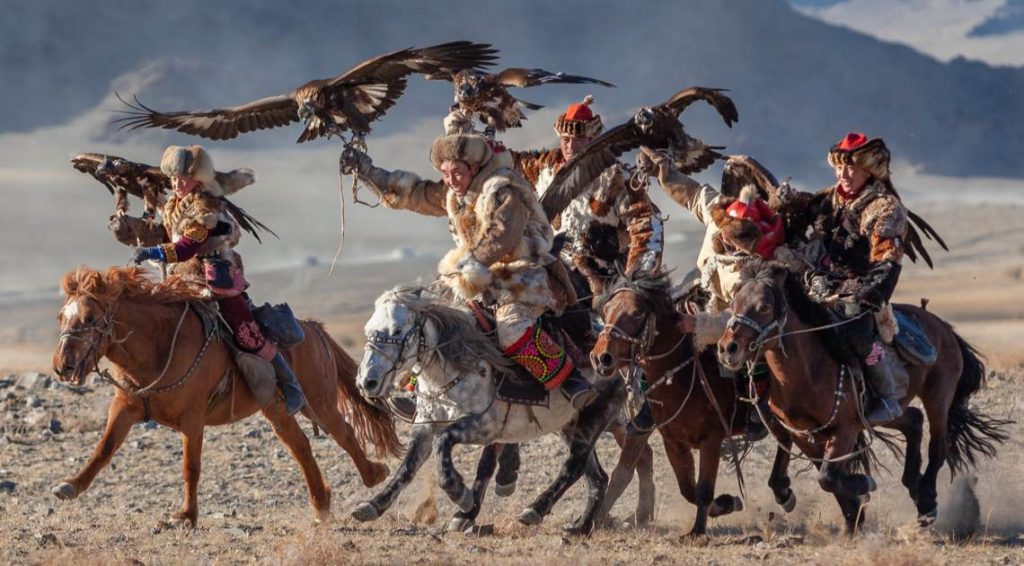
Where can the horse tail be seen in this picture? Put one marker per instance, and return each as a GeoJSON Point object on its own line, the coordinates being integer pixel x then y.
{"type": "Point", "coordinates": [371, 423]}
{"type": "Point", "coordinates": [971, 433]}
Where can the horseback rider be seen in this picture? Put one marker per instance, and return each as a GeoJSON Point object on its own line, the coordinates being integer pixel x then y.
{"type": "Point", "coordinates": [503, 245]}
{"type": "Point", "coordinates": [862, 225]}
{"type": "Point", "coordinates": [738, 231]}
{"type": "Point", "coordinates": [198, 226]}
{"type": "Point", "coordinates": [611, 220]}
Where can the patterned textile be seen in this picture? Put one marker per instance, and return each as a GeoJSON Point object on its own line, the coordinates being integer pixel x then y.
{"type": "Point", "coordinates": [248, 336]}
{"type": "Point", "coordinates": [542, 356]}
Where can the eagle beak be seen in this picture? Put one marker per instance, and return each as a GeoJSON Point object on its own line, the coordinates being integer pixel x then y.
{"type": "Point", "coordinates": [644, 119]}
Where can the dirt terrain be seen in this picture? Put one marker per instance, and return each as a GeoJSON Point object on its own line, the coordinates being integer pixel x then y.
{"type": "Point", "coordinates": [253, 503]}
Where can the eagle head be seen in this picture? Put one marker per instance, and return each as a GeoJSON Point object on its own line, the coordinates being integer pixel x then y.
{"type": "Point", "coordinates": [105, 166]}
{"type": "Point", "coordinates": [644, 120]}
{"type": "Point", "coordinates": [306, 111]}
{"type": "Point", "coordinates": [467, 85]}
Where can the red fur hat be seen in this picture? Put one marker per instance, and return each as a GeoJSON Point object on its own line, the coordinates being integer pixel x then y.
{"type": "Point", "coordinates": [579, 120]}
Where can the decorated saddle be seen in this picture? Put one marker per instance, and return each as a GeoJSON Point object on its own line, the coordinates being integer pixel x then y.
{"type": "Point", "coordinates": [912, 342]}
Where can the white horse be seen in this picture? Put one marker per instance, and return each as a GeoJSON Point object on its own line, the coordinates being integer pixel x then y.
{"type": "Point", "coordinates": [456, 402]}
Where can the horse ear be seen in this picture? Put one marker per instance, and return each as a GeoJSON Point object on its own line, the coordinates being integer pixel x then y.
{"type": "Point", "coordinates": [778, 272]}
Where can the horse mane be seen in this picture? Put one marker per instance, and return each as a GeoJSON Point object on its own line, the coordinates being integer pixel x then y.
{"type": "Point", "coordinates": [132, 283]}
{"type": "Point", "coordinates": [460, 343]}
{"type": "Point", "coordinates": [654, 286]}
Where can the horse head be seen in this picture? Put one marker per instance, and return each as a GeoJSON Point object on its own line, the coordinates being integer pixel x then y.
{"type": "Point", "coordinates": [758, 314]}
{"type": "Point", "coordinates": [86, 332]}
{"type": "Point", "coordinates": [394, 334]}
{"type": "Point", "coordinates": [629, 309]}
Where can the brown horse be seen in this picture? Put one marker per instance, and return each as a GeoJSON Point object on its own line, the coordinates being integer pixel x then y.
{"type": "Point", "coordinates": [169, 371]}
{"type": "Point", "coordinates": [819, 403]}
{"type": "Point", "coordinates": [641, 328]}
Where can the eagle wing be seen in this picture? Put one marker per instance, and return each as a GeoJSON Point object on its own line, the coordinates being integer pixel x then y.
{"type": "Point", "coordinates": [217, 124]}
{"type": "Point", "coordinates": [741, 170]}
{"type": "Point", "coordinates": [722, 104]}
{"type": "Point", "coordinates": [522, 78]}
{"type": "Point", "coordinates": [119, 173]}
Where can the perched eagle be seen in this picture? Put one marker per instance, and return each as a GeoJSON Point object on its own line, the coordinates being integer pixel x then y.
{"type": "Point", "coordinates": [123, 177]}
{"type": "Point", "coordinates": [486, 96]}
{"type": "Point", "coordinates": [350, 101]}
{"type": "Point", "coordinates": [656, 127]}
{"type": "Point", "coordinates": [741, 171]}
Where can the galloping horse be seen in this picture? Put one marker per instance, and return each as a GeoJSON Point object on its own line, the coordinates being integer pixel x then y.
{"type": "Point", "coordinates": [456, 402]}
{"type": "Point", "coordinates": [169, 370]}
{"type": "Point", "coordinates": [771, 315]}
{"type": "Point", "coordinates": [641, 329]}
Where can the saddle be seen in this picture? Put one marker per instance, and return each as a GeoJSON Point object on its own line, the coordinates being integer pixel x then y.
{"type": "Point", "coordinates": [515, 384]}
{"type": "Point", "coordinates": [911, 342]}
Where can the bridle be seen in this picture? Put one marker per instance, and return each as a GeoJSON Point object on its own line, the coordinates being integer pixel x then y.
{"type": "Point", "coordinates": [765, 332]}
{"type": "Point", "coordinates": [105, 325]}
{"type": "Point", "coordinates": [377, 339]}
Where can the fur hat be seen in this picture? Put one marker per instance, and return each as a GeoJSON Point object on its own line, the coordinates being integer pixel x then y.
{"type": "Point", "coordinates": [469, 148]}
{"type": "Point", "coordinates": [195, 162]}
{"type": "Point", "coordinates": [579, 120]}
{"type": "Point", "coordinates": [736, 232]}
{"type": "Point", "coordinates": [857, 149]}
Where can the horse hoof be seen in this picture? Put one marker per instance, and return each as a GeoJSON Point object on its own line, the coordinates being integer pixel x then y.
{"type": "Point", "coordinates": [64, 491]}
{"type": "Point", "coordinates": [724, 505]}
{"type": "Point", "coordinates": [504, 490]}
{"type": "Point", "coordinates": [864, 498]}
{"type": "Point", "coordinates": [323, 517]}
{"type": "Point", "coordinates": [530, 517]}
{"type": "Point", "coordinates": [467, 500]}
{"type": "Point", "coordinates": [872, 484]}
{"type": "Point", "coordinates": [365, 512]}
{"type": "Point", "coordinates": [926, 519]}
{"type": "Point", "coordinates": [790, 503]}
{"type": "Point", "coordinates": [184, 520]}
{"type": "Point", "coordinates": [577, 530]}
{"type": "Point", "coordinates": [459, 525]}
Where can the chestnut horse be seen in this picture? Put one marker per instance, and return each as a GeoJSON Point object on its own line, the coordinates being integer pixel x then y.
{"type": "Point", "coordinates": [641, 329]}
{"type": "Point", "coordinates": [818, 402]}
{"type": "Point", "coordinates": [168, 370]}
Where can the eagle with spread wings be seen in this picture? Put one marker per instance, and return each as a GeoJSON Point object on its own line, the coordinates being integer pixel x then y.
{"type": "Point", "coordinates": [486, 96]}
{"type": "Point", "coordinates": [350, 101]}
{"type": "Point", "coordinates": [123, 177]}
{"type": "Point", "coordinates": [656, 127]}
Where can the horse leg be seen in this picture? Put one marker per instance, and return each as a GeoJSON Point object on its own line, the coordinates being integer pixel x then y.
{"type": "Point", "coordinates": [938, 451]}
{"type": "Point", "coordinates": [191, 466]}
{"type": "Point", "coordinates": [370, 472]}
{"type": "Point", "coordinates": [597, 483]}
{"type": "Point", "coordinates": [120, 418]}
{"type": "Point", "coordinates": [622, 475]}
{"type": "Point", "coordinates": [508, 470]}
{"type": "Point", "coordinates": [416, 452]}
{"type": "Point", "coordinates": [484, 470]}
{"type": "Point", "coordinates": [582, 438]}
{"type": "Point", "coordinates": [911, 425]}
{"type": "Point", "coordinates": [681, 459]}
{"type": "Point", "coordinates": [645, 476]}
{"type": "Point", "coordinates": [851, 490]}
{"type": "Point", "coordinates": [289, 432]}
{"type": "Point", "coordinates": [468, 430]}
{"type": "Point", "coordinates": [707, 504]}
{"type": "Point", "coordinates": [779, 480]}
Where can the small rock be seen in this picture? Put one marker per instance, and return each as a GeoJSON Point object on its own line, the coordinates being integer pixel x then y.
{"type": "Point", "coordinates": [7, 486]}
{"type": "Point", "coordinates": [47, 539]}
{"type": "Point", "coordinates": [753, 540]}
{"type": "Point", "coordinates": [55, 426]}
{"type": "Point", "coordinates": [348, 545]}
{"type": "Point", "coordinates": [474, 549]}
{"type": "Point", "coordinates": [31, 381]}
{"type": "Point", "coordinates": [254, 433]}
{"type": "Point", "coordinates": [565, 542]}
{"type": "Point", "coordinates": [150, 425]}
{"type": "Point", "coordinates": [6, 382]}
{"type": "Point", "coordinates": [33, 401]}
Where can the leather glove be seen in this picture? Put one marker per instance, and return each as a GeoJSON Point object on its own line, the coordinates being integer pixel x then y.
{"type": "Point", "coordinates": [354, 161]}
{"type": "Point", "coordinates": [155, 253]}
{"type": "Point", "coordinates": [819, 288]}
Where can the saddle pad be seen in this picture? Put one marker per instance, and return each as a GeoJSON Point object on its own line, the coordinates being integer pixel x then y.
{"type": "Point", "coordinates": [521, 389]}
{"type": "Point", "coordinates": [912, 342]}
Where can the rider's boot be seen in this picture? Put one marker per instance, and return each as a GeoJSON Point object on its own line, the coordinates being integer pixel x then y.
{"type": "Point", "coordinates": [578, 390]}
{"type": "Point", "coordinates": [888, 379]}
{"type": "Point", "coordinates": [293, 398]}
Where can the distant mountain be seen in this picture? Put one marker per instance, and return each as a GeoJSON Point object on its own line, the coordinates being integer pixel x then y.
{"type": "Point", "coordinates": [800, 84]}
{"type": "Point", "coordinates": [1008, 19]}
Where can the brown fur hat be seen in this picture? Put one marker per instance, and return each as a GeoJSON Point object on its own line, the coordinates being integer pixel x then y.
{"type": "Point", "coordinates": [469, 148]}
{"type": "Point", "coordinates": [195, 162]}
{"type": "Point", "coordinates": [857, 149]}
{"type": "Point", "coordinates": [579, 120]}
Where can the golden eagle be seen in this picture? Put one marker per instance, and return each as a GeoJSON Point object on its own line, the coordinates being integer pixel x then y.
{"type": "Point", "coordinates": [486, 96]}
{"type": "Point", "coordinates": [349, 101]}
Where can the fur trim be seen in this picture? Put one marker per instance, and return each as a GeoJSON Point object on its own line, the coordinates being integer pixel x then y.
{"type": "Point", "coordinates": [456, 122]}
{"type": "Point", "coordinates": [469, 148]}
{"type": "Point", "coordinates": [565, 127]}
{"type": "Point", "coordinates": [873, 156]}
{"type": "Point", "coordinates": [748, 193]}
{"type": "Point", "coordinates": [195, 162]}
{"type": "Point", "coordinates": [474, 274]}
{"type": "Point", "coordinates": [236, 180]}
{"type": "Point", "coordinates": [885, 321]}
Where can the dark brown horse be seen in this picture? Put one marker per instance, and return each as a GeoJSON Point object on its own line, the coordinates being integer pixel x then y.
{"type": "Point", "coordinates": [169, 372]}
{"type": "Point", "coordinates": [641, 328]}
{"type": "Point", "coordinates": [819, 404]}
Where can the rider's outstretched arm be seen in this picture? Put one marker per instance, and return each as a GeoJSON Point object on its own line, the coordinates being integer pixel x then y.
{"type": "Point", "coordinates": [682, 188]}
{"type": "Point", "coordinates": [400, 189]}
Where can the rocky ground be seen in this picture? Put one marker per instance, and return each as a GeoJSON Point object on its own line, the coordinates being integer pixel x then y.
{"type": "Point", "coordinates": [253, 506]}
